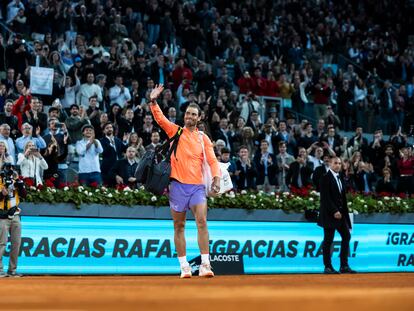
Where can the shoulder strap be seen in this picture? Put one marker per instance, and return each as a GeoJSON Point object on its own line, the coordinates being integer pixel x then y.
{"type": "Point", "coordinates": [166, 149]}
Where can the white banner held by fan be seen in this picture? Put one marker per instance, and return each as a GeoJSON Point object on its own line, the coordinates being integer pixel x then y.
{"type": "Point", "coordinates": [41, 80]}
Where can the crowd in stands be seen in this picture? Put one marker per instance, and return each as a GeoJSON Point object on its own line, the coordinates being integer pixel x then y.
{"type": "Point", "coordinates": [337, 65]}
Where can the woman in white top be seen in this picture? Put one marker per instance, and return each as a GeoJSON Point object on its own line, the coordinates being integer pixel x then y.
{"type": "Point", "coordinates": [4, 156]}
{"type": "Point", "coordinates": [32, 163]}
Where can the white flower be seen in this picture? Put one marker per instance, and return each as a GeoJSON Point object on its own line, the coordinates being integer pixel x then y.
{"type": "Point", "coordinates": [141, 188]}
{"type": "Point", "coordinates": [127, 189]}
{"type": "Point", "coordinates": [260, 192]}
{"type": "Point", "coordinates": [285, 193]}
{"type": "Point", "coordinates": [252, 196]}
{"type": "Point", "coordinates": [110, 195]}
{"type": "Point", "coordinates": [386, 198]}
{"type": "Point", "coordinates": [398, 198]}
{"type": "Point", "coordinates": [243, 192]}
{"type": "Point", "coordinates": [232, 195]}
{"type": "Point", "coordinates": [103, 188]}
{"type": "Point", "coordinates": [153, 198]}
{"type": "Point", "coordinates": [97, 190]}
{"type": "Point", "coordinates": [310, 199]}
{"type": "Point", "coordinates": [356, 212]}
{"type": "Point", "coordinates": [272, 193]}
{"type": "Point", "coordinates": [349, 203]}
{"type": "Point", "coordinates": [365, 206]}
{"type": "Point", "coordinates": [32, 188]}
{"type": "Point", "coordinates": [117, 191]}
{"type": "Point", "coordinates": [80, 188]}
{"type": "Point", "coordinates": [66, 188]}
{"type": "Point", "coordinates": [53, 190]}
{"type": "Point", "coordinates": [90, 194]}
{"type": "Point", "coordinates": [380, 203]}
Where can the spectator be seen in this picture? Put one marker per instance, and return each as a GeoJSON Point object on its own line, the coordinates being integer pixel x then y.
{"type": "Point", "coordinates": [124, 169]}
{"type": "Point", "coordinates": [5, 137]}
{"type": "Point", "coordinates": [87, 90]}
{"type": "Point", "coordinates": [31, 163]}
{"type": "Point", "coordinates": [135, 141]}
{"type": "Point", "coordinates": [245, 171]}
{"type": "Point", "coordinates": [119, 94]}
{"type": "Point", "coordinates": [385, 184]}
{"type": "Point", "coordinates": [8, 118]}
{"type": "Point", "coordinates": [406, 169]}
{"type": "Point", "coordinates": [89, 149]}
{"type": "Point", "coordinates": [266, 166]}
{"type": "Point", "coordinates": [113, 149]}
{"type": "Point", "coordinates": [4, 155]}
{"type": "Point", "coordinates": [74, 123]}
{"type": "Point", "coordinates": [54, 158]}
{"type": "Point", "coordinates": [35, 117]}
{"type": "Point", "coordinates": [155, 141]}
{"type": "Point", "coordinates": [283, 160]}
{"type": "Point", "coordinates": [27, 131]}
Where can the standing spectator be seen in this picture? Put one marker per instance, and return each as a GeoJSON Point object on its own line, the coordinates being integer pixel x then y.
{"type": "Point", "coordinates": [113, 149]}
{"type": "Point", "coordinates": [89, 149]}
{"type": "Point", "coordinates": [31, 163]}
{"type": "Point", "coordinates": [5, 137]}
{"type": "Point", "coordinates": [27, 131]}
{"type": "Point", "coordinates": [406, 169]}
{"type": "Point", "coordinates": [283, 160]}
{"type": "Point", "coordinates": [119, 94]}
{"type": "Point", "coordinates": [300, 171]}
{"type": "Point", "coordinates": [87, 90]}
{"type": "Point", "coordinates": [385, 184]}
{"type": "Point", "coordinates": [346, 107]}
{"type": "Point", "coordinates": [4, 155]}
{"type": "Point", "coordinates": [8, 118]}
{"type": "Point", "coordinates": [124, 169]}
{"type": "Point", "coordinates": [75, 122]}
{"type": "Point", "coordinates": [93, 112]}
{"type": "Point", "coordinates": [155, 141]}
{"type": "Point", "coordinates": [266, 167]}
{"type": "Point", "coordinates": [35, 117]}
{"type": "Point", "coordinates": [54, 157]}
{"type": "Point", "coordinates": [245, 171]}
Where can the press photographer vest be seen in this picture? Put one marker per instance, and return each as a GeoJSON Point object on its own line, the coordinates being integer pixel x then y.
{"type": "Point", "coordinates": [8, 202]}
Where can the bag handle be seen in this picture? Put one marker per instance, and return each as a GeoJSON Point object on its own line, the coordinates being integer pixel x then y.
{"type": "Point", "coordinates": [167, 149]}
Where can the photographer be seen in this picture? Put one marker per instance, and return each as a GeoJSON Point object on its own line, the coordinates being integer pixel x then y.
{"type": "Point", "coordinates": [32, 163]}
{"type": "Point", "coordinates": [11, 190]}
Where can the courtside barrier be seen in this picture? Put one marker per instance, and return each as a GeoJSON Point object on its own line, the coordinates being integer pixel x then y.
{"type": "Point", "coordinates": [65, 245]}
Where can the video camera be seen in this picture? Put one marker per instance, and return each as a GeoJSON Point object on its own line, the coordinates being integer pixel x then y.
{"type": "Point", "coordinates": [6, 174]}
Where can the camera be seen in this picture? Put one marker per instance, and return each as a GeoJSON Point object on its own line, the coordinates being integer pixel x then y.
{"type": "Point", "coordinates": [7, 174]}
{"type": "Point", "coordinates": [58, 125]}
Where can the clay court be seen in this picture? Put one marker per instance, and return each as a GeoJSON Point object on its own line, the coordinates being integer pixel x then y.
{"type": "Point", "coordinates": [253, 292]}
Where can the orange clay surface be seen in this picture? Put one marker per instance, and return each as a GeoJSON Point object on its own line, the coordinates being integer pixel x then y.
{"type": "Point", "coordinates": [251, 292]}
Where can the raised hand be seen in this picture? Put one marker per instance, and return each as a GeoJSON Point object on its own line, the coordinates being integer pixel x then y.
{"type": "Point", "coordinates": [156, 92]}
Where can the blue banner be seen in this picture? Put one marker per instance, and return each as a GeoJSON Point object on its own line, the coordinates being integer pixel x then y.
{"type": "Point", "coordinates": [123, 246]}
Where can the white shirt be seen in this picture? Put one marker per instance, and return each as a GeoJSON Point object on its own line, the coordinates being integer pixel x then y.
{"type": "Point", "coordinates": [32, 167]}
{"type": "Point", "coordinates": [118, 97]}
{"type": "Point", "coordinates": [338, 182]}
{"type": "Point", "coordinates": [11, 150]}
{"type": "Point", "coordinates": [88, 159]}
{"type": "Point", "coordinates": [86, 91]}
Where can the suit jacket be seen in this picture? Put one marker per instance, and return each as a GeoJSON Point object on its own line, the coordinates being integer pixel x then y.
{"type": "Point", "coordinates": [318, 173]}
{"type": "Point", "coordinates": [271, 169]}
{"type": "Point", "coordinates": [304, 171]}
{"type": "Point", "coordinates": [125, 170]}
{"type": "Point", "coordinates": [109, 155]}
{"type": "Point", "coordinates": [246, 175]}
{"type": "Point", "coordinates": [332, 201]}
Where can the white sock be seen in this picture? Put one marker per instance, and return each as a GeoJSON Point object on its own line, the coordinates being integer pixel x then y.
{"type": "Point", "coordinates": [205, 258]}
{"type": "Point", "coordinates": [183, 261]}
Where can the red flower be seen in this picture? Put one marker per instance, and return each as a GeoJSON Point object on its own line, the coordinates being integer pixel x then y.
{"type": "Point", "coordinates": [49, 183]}
{"type": "Point", "coordinates": [40, 186]}
{"type": "Point", "coordinates": [94, 184]}
{"type": "Point", "coordinates": [62, 185]}
{"type": "Point", "coordinates": [28, 181]}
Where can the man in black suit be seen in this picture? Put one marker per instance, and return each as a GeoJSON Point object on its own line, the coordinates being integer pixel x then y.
{"type": "Point", "coordinates": [333, 215]}
{"type": "Point", "coordinates": [124, 169]}
{"type": "Point", "coordinates": [113, 148]}
{"type": "Point", "coordinates": [266, 166]}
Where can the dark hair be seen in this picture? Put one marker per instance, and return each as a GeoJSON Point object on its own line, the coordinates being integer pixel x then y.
{"type": "Point", "coordinates": [196, 106]}
{"type": "Point", "coordinates": [73, 105]}
{"type": "Point", "coordinates": [92, 97]}
{"type": "Point", "coordinates": [225, 150]}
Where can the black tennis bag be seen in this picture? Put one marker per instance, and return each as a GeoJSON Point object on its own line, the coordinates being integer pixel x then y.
{"type": "Point", "coordinates": [154, 169]}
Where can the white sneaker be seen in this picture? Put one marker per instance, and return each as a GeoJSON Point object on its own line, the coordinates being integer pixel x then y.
{"type": "Point", "coordinates": [185, 272]}
{"type": "Point", "coordinates": [205, 270]}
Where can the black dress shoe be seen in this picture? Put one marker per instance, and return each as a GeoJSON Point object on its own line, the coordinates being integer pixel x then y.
{"type": "Point", "coordinates": [330, 270]}
{"type": "Point", "coordinates": [347, 269]}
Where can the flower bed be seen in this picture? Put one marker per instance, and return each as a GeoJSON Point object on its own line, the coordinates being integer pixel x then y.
{"type": "Point", "coordinates": [298, 200]}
